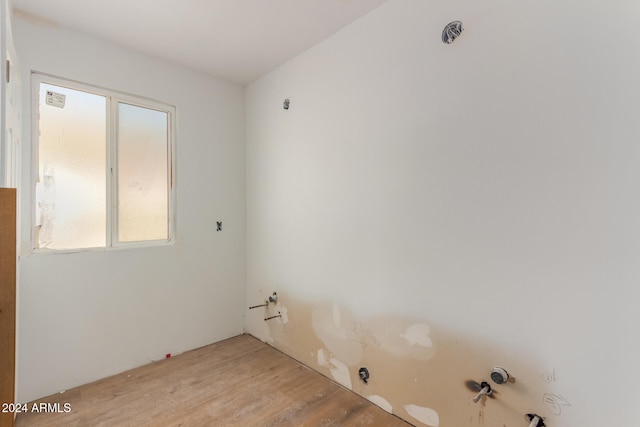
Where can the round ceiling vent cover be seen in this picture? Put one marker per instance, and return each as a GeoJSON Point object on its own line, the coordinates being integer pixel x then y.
{"type": "Point", "coordinates": [451, 32]}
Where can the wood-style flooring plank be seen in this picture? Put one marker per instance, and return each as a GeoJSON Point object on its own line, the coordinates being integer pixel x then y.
{"type": "Point", "coordinates": [237, 382]}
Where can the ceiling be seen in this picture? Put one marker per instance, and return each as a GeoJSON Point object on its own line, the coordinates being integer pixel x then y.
{"type": "Point", "coordinates": [238, 40]}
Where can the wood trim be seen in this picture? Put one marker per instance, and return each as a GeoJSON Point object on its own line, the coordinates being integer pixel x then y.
{"type": "Point", "coordinates": [7, 300]}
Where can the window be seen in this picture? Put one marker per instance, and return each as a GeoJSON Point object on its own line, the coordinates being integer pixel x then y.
{"type": "Point", "coordinates": [103, 166]}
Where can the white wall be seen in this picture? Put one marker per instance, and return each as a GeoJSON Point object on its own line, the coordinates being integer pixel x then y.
{"type": "Point", "coordinates": [88, 315]}
{"type": "Point", "coordinates": [429, 211]}
{"type": "Point", "coordinates": [11, 107]}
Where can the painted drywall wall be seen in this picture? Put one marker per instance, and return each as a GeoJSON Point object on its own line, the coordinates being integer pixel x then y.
{"type": "Point", "coordinates": [88, 315]}
{"type": "Point", "coordinates": [429, 211]}
{"type": "Point", "coordinates": [11, 106]}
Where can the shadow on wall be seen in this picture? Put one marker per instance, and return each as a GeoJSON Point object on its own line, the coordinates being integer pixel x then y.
{"type": "Point", "coordinates": [426, 376]}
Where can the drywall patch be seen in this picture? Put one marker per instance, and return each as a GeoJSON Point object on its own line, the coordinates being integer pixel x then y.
{"type": "Point", "coordinates": [425, 415]}
{"type": "Point", "coordinates": [340, 372]}
{"type": "Point", "coordinates": [341, 340]}
{"type": "Point", "coordinates": [347, 338]}
{"type": "Point", "coordinates": [418, 334]}
{"type": "Point", "coordinates": [381, 402]}
{"type": "Point", "coordinates": [406, 373]}
{"type": "Point", "coordinates": [322, 359]}
{"type": "Point", "coordinates": [402, 338]}
{"type": "Point", "coordinates": [283, 312]}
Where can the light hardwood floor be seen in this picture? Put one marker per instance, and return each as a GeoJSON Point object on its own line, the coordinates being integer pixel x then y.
{"type": "Point", "coordinates": [237, 382]}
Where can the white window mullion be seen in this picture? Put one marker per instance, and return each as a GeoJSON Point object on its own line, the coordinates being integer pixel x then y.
{"type": "Point", "coordinates": [112, 172]}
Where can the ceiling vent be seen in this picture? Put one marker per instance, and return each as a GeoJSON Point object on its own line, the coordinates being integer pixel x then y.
{"type": "Point", "coordinates": [451, 32]}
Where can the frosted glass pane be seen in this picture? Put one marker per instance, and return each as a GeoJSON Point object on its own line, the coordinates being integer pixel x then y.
{"type": "Point", "coordinates": [71, 188]}
{"type": "Point", "coordinates": [142, 174]}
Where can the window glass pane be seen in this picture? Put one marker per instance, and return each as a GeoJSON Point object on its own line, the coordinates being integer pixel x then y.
{"type": "Point", "coordinates": [142, 147]}
{"type": "Point", "coordinates": [71, 187]}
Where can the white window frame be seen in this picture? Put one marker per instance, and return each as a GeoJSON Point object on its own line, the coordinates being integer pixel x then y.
{"type": "Point", "coordinates": [112, 99]}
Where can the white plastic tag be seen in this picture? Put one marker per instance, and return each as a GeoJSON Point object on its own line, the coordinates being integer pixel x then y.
{"type": "Point", "coordinates": [55, 99]}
